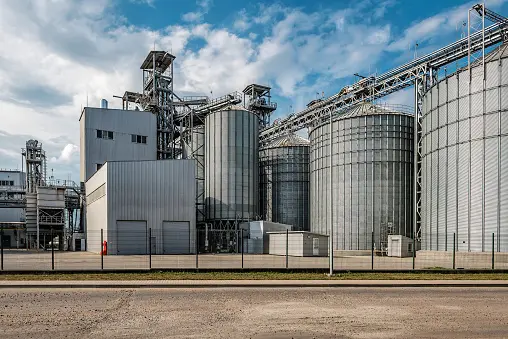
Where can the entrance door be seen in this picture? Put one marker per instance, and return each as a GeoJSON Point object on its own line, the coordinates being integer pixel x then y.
{"type": "Point", "coordinates": [176, 237]}
{"type": "Point", "coordinates": [315, 246]}
{"type": "Point", "coordinates": [132, 237]}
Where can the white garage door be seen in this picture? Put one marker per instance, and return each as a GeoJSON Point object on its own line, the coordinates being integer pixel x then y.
{"type": "Point", "coordinates": [176, 237]}
{"type": "Point", "coordinates": [131, 237]}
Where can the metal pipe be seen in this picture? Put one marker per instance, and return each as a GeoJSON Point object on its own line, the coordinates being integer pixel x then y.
{"type": "Point", "coordinates": [372, 251]}
{"type": "Point", "coordinates": [2, 247]}
{"type": "Point", "coordinates": [241, 231]}
{"type": "Point", "coordinates": [493, 242]}
{"type": "Point", "coordinates": [52, 250]}
{"type": "Point", "coordinates": [197, 248]}
{"type": "Point", "coordinates": [287, 249]}
{"type": "Point", "coordinates": [150, 248]}
{"type": "Point", "coordinates": [454, 245]}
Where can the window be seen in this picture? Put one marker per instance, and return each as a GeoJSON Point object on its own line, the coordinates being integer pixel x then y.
{"type": "Point", "coordinates": [98, 167]}
{"type": "Point", "coordinates": [410, 248]}
{"type": "Point", "coordinates": [104, 134]}
{"type": "Point", "coordinates": [6, 183]}
{"type": "Point", "coordinates": [138, 139]}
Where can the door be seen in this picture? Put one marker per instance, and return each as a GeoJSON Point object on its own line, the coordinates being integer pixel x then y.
{"type": "Point", "coordinates": [176, 237]}
{"type": "Point", "coordinates": [6, 241]}
{"type": "Point", "coordinates": [315, 246]}
{"type": "Point", "coordinates": [132, 237]}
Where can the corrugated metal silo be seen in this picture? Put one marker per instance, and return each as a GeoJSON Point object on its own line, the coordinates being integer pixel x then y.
{"type": "Point", "coordinates": [284, 182]}
{"type": "Point", "coordinates": [194, 148]}
{"type": "Point", "coordinates": [465, 159]}
{"type": "Point", "coordinates": [231, 164]}
{"type": "Point", "coordinates": [372, 176]}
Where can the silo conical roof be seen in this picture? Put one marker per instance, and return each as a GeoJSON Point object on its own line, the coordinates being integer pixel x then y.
{"type": "Point", "coordinates": [289, 140]}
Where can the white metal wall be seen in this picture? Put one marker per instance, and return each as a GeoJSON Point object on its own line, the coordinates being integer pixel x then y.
{"type": "Point", "coordinates": [465, 160]}
{"type": "Point", "coordinates": [123, 124]}
{"type": "Point", "coordinates": [96, 209]}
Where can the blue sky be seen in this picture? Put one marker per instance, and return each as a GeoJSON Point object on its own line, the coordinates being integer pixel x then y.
{"type": "Point", "coordinates": [57, 54]}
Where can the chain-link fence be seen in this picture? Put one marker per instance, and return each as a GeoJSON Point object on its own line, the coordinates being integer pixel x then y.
{"type": "Point", "coordinates": [145, 249]}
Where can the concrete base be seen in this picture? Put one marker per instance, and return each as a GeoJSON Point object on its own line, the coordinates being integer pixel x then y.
{"type": "Point", "coordinates": [462, 256]}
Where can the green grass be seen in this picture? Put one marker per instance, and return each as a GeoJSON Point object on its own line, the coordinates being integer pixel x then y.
{"type": "Point", "coordinates": [257, 276]}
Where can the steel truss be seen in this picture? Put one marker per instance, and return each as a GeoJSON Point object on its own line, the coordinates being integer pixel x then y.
{"type": "Point", "coordinates": [422, 73]}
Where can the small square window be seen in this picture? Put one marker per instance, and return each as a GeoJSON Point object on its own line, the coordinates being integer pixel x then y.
{"type": "Point", "coordinates": [133, 137]}
{"type": "Point", "coordinates": [99, 133]}
{"type": "Point", "coordinates": [98, 167]}
{"type": "Point", "coordinates": [139, 139]}
{"type": "Point", "coordinates": [110, 135]}
{"type": "Point", "coordinates": [143, 139]}
{"type": "Point", "coordinates": [12, 183]}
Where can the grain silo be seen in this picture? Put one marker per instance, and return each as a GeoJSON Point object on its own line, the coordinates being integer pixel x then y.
{"type": "Point", "coordinates": [231, 166]}
{"type": "Point", "coordinates": [465, 158]}
{"type": "Point", "coordinates": [372, 176]}
{"type": "Point", "coordinates": [284, 182]}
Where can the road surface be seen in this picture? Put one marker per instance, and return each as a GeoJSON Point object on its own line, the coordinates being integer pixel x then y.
{"type": "Point", "coordinates": [259, 313]}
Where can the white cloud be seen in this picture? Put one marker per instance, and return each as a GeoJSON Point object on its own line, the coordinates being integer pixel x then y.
{"type": "Point", "coordinates": [242, 23]}
{"type": "Point", "coordinates": [198, 15]}
{"type": "Point", "coordinates": [144, 2]}
{"type": "Point", "coordinates": [66, 50]}
{"type": "Point", "coordinates": [66, 155]}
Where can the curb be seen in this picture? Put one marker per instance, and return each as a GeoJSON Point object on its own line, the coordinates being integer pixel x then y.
{"type": "Point", "coordinates": [202, 285]}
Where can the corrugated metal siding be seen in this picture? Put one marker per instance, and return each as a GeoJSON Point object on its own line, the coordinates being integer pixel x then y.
{"type": "Point", "coordinates": [284, 185]}
{"type": "Point", "coordinates": [123, 124]}
{"type": "Point", "coordinates": [152, 191]}
{"type": "Point", "coordinates": [474, 191]}
{"type": "Point", "coordinates": [372, 179]}
{"type": "Point", "coordinates": [231, 165]}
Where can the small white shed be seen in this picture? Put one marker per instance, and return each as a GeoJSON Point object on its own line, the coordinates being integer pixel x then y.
{"type": "Point", "coordinates": [300, 244]}
{"type": "Point", "coordinates": [400, 246]}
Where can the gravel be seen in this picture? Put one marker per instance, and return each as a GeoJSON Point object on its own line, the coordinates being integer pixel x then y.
{"type": "Point", "coordinates": [255, 313]}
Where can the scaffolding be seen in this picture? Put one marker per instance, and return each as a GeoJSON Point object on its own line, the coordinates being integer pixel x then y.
{"type": "Point", "coordinates": [258, 100]}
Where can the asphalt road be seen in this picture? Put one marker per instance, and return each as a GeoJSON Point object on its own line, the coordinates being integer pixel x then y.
{"type": "Point", "coordinates": [255, 313]}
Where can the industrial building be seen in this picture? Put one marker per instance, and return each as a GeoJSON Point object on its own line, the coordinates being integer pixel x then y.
{"type": "Point", "coordinates": [137, 203]}
{"type": "Point", "coordinates": [114, 134]}
{"type": "Point", "coordinates": [12, 212]}
{"type": "Point", "coordinates": [370, 175]}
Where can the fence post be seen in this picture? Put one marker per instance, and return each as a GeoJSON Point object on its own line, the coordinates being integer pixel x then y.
{"type": "Point", "coordinates": [102, 249]}
{"type": "Point", "coordinates": [150, 250]}
{"type": "Point", "coordinates": [414, 251]}
{"type": "Point", "coordinates": [372, 251]}
{"type": "Point", "coordinates": [241, 232]}
{"type": "Point", "coordinates": [287, 248]}
{"type": "Point", "coordinates": [493, 265]}
{"type": "Point", "coordinates": [197, 248]}
{"type": "Point", "coordinates": [2, 246]}
{"type": "Point", "coordinates": [52, 250]}
{"type": "Point", "coordinates": [454, 245]}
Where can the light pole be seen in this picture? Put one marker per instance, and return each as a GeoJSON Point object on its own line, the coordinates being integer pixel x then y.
{"type": "Point", "coordinates": [330, 219]}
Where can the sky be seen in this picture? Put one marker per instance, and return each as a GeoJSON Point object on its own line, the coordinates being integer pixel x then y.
{"type": "Point", "coordinates": [61, 55]}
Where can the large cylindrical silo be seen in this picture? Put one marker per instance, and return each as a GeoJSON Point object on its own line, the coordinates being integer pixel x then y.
{"type": "Point", "coordinates": [372, 175]}
{"type": "Point", "coordinates": [231, 165]}
{"type": "Point", "coordinates": [284, 182]}
{"type": "Point", "coordinates": [465, 159]}
{"type": "Point", "coordinates": [194, 148]}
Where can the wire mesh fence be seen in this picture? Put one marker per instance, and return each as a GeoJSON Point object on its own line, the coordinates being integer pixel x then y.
{"type": "Point", "coordinates": [149, 249]}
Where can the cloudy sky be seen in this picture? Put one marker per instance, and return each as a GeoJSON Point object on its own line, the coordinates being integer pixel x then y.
{"type": "Point", "coordinates": [57, 55]}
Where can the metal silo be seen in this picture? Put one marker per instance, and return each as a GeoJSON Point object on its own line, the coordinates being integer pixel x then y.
{"type": "Point", "coordinates": [372, 176]}
{"type": "Point", "coordinates": [284, 182]}
{"type": "Point", "coordinates": [231, 166]}
{"type": "Point", "coordinates": [465, 158]}
{"type": "Point", "coordinates": [194, 148]}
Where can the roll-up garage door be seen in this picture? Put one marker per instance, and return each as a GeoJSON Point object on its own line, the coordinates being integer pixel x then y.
{"type": "Point", "coordinates": [176, 237]}
{"type": "Point", "coordinates": [131, 237]}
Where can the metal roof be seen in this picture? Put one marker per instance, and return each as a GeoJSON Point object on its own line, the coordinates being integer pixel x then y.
{"type": "Point", "coordinates": [233, 108]}
{"type": "Point", "coordinates": [499, 52]}
{"type": "Point", "coordinates": [288, 141]}
{"type": "Point", "coordinates": [162, 60]}
{"type": "Point", "coordinates": [368, 108]}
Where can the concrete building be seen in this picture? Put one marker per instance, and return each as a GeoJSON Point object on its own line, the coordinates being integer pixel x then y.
{"type": "Point", "coordinates": [255, 237]}
{"type": "Point", "coordinates": [115, 135]}
{"type": "Point", "coordinates": [127, 199]}
{"type": "Point", "coordinates": [400, 246]}
{"type": "Point", "coordinates": [298, 243]}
